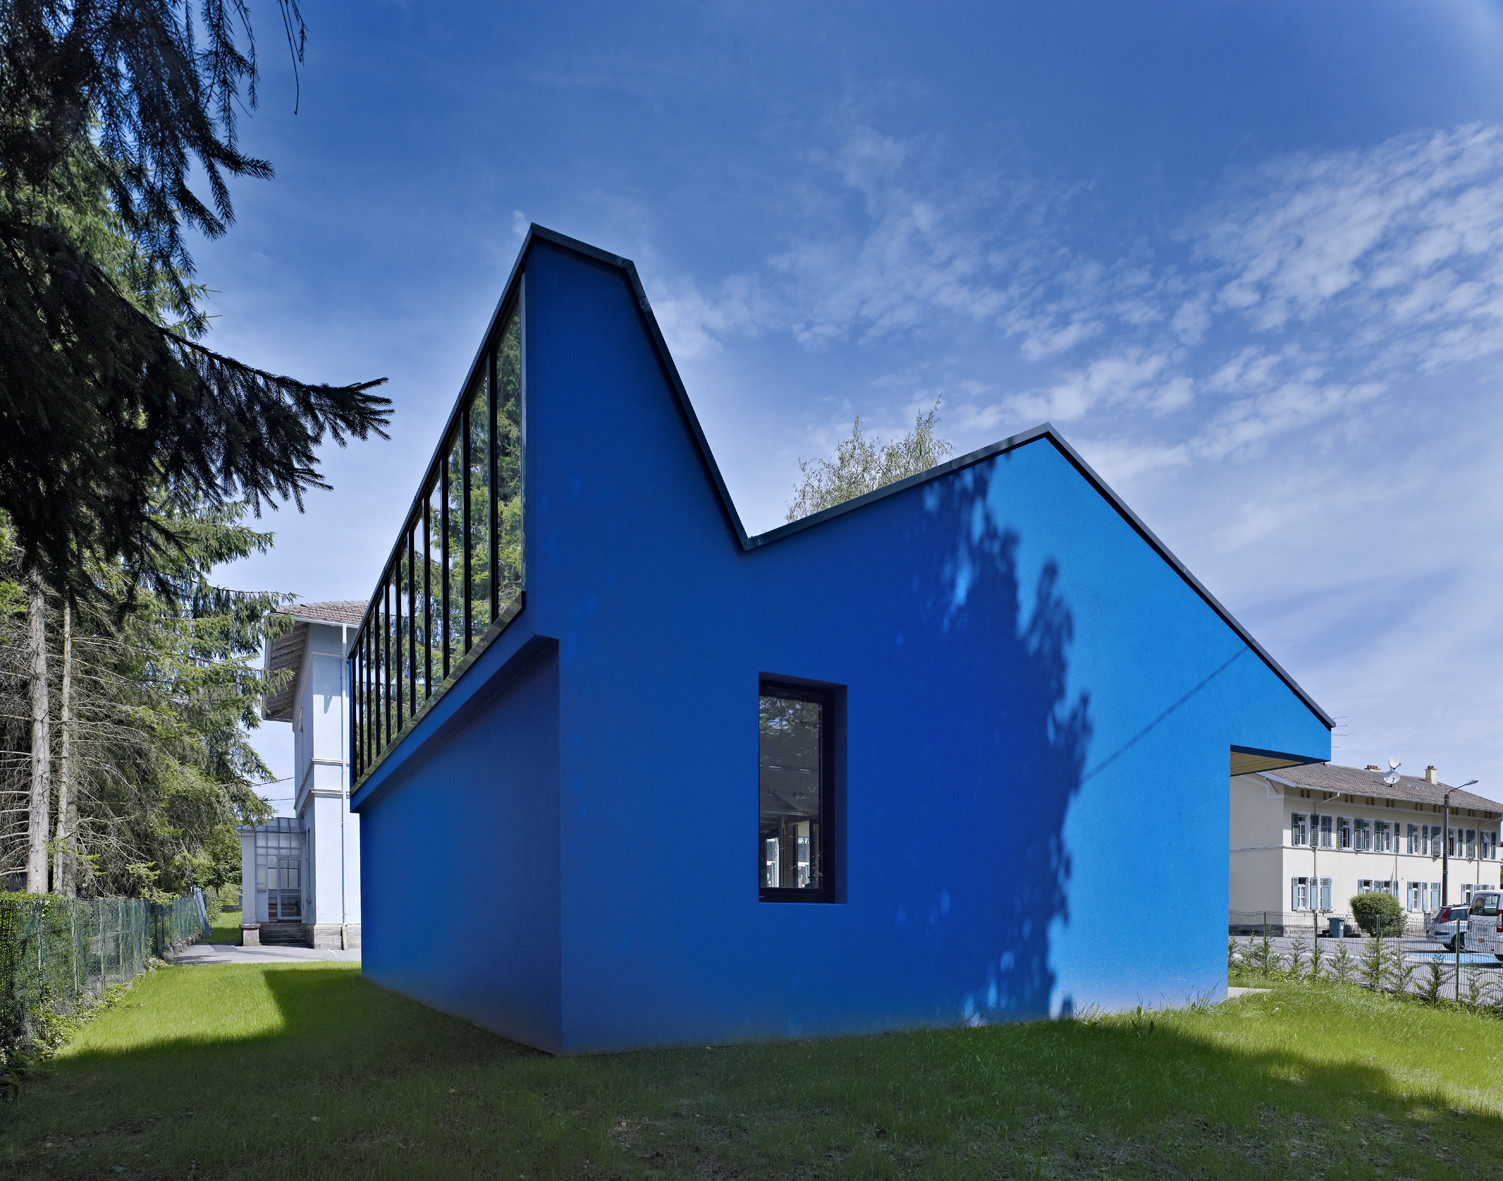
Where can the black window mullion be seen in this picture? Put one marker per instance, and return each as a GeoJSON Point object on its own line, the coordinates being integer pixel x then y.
{"type": "Point", "coordinates": [464, 515]}
{"type": "Point", "coordinates": [352, 673]}
{"type": "Point", "coordinates": [427, 599]}
{"type": "Point", "coordinates": [396, 641]}
{"type": "Point", "coordinates": [412, 617]}
{"type": "Point", "coordinates": [386, 658]}
{"type": "Point", "coordinates": [443, 499]}
{"type": "Point", "coordinates": [491, 491]}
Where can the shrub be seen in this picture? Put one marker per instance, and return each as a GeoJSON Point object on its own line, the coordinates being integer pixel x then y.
{"type": "Point", "coordinates": [1378, 913]}
{"type": "Point", "coordinates": [1375, 964]}
{"type": "Point", "coordinates": [1342, 965]}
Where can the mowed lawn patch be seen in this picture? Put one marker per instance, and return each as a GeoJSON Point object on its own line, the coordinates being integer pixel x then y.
{"type": "Point", "coordinates": [307, 1069]}
{"type": "Point", "coordinates": [226, 928]}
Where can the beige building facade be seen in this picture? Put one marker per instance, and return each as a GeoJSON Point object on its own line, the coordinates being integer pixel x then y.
{"type": "Point", "coordinates": [1305, 839]}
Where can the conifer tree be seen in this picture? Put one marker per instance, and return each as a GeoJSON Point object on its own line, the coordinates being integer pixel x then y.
{"type": "Point", "coordinates": [109, 397]}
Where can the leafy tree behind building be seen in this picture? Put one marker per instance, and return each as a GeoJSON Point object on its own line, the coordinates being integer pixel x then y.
{"type": "Point", "coordinates": [863, 463]}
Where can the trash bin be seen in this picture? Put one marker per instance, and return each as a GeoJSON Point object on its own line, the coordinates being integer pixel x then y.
{"type": "Point", "coordinates": [1338, 927]}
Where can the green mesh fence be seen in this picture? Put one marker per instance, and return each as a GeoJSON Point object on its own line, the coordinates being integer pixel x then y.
{"type": "Point", "coordinates": [58, 953]}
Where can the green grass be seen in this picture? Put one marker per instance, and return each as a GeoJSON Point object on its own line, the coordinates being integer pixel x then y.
{"type": "Point", "coordinates": [309, 1070]}
{"type": "Point", "coordinates": [227, 928]}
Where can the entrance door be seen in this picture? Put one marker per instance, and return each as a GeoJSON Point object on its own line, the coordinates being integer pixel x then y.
{"type": "Point", "coordinates": [284, 893]}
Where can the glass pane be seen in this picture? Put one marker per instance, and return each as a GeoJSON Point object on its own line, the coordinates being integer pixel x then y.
{"type": "Point", "coordinates": [509, 467]}
{"type": "Point", "coordinates": [479, 492]}
{"type": "Point", "coordinates": [790, 789]}
{"type": "Point", "coordinates": [454, 515]}
{"type": "Point", "coordinates": [399, 636]}
{"type": "Point", "coordinates": [434, 656]}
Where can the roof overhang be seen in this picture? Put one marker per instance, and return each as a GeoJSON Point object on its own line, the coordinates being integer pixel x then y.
{"type": "Point", "coordinates": [285, 652]}
{"type": "Point", "coordinates": [1248, 761]}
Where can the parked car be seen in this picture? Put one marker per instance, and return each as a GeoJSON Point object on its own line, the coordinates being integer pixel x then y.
{"type": "Point", "coordinates": [1484, 929]}
{"type": "Point", "coordinates": [1446, 924]}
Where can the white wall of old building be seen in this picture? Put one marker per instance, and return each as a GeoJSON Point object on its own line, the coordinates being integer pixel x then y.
{"type": "Point", "coordinates": [1269, 856]}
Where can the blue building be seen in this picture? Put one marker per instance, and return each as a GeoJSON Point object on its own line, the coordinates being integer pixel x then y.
{"type": "Point", "coordinates": [957, 751]}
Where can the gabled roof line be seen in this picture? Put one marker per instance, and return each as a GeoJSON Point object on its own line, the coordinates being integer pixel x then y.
{"type": "Point", "coordinates": [1044, 432]}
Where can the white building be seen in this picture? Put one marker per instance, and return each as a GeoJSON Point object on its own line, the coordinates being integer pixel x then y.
{"type": "Point", "coordinates": [1305, 839]}
{"type": "Point", "coordinates": [300, 874]}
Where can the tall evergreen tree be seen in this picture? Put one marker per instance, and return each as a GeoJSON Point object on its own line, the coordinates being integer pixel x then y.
{"type": "Point", "coordinates": [149, 722]}
{"type": "Point", "coordinates": [109, 399]}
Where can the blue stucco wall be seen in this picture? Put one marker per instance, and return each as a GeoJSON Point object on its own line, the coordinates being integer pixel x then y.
{"type": "Point", "coordinates": [1039, 712]}
{"type": "Point", "coordinates": [459, 869]}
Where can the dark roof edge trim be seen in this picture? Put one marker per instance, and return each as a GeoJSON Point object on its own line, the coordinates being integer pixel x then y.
{"type": "Point", "coordinates": [1291, 760]}
{"type": "Point", "coordinates": [1044, 431]}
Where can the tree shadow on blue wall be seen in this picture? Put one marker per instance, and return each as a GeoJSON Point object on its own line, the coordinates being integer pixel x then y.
{"type": "Point", "coordinates": [1035, 739]}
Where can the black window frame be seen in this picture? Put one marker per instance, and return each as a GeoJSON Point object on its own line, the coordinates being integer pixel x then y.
{"type": "Point", "coordinates": [830, 698]}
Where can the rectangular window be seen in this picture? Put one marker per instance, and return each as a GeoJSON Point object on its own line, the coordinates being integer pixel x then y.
{"type": "Point", "coordinates": [795, 790]}
{"type": "Point", "coordinates": [1364, 885]}
{"type": "Point", "coordinates": [1489, 845]}
{"type": "Point", "coordinates": [1414, 839]}
{"type": "Point", "coordinates": [1325, 893]}
{"type": "Point", "coordinates": [1344, 832]}
{"type": "Point", "coordinates": [1471, 844]}
{"type": "Point", "coordinates": [1299, 894]}
{"type": "Point", "coordinates": [1363, 836]}
{"type": "Point", "coordinates": [1325, 832]}
{"type": "Point", "coordinates": [1416, 897]}
{"type": "Point", "coordinates": [1382, 840]}
{"type": "Point", "coordinates": [1451, 842]}
{"type": "Point", "coordinates": [1297, 828]}
{"type": "Point", "coordinates": [1435, 840]}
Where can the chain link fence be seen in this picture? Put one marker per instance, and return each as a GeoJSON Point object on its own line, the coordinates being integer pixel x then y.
{"type": "Point", "coordinates": [57, 954]}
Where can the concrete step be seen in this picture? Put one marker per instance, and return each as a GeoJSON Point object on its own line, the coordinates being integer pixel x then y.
{"type": "Point", "coordinates": [285, 934]}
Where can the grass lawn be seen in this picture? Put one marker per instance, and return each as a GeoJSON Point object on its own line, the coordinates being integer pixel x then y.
{"type": "Point", "coordinates": [308, 1070]}
{"type": "Point", "coordinates": [227, 927]}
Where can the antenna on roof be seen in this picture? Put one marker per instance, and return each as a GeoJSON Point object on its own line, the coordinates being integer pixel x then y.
{"type": "Point", "coordinates": [1393, 772]}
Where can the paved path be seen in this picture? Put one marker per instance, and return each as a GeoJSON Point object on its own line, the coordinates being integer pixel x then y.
{"type": "Point", "coordinates": [229, 953]}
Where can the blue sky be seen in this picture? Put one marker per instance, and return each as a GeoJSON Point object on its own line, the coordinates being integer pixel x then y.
{"type": "Point", "coordinates": [1247, 257]}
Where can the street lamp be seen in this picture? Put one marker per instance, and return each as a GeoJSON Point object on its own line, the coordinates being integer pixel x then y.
{"type": "Point", "coordinates": [1445, 849]}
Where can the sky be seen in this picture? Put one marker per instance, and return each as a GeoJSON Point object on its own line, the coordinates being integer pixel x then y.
{"type": "Point", "coordinates": [1246, 257]}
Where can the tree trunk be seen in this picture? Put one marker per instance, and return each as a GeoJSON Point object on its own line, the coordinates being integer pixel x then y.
{"type": "Point", "coordinates": [41, 743]}
{"type": "Point", "coordinates": [64, 873]}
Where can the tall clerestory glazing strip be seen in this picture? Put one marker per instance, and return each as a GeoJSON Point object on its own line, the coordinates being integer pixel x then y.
{"type": "Point", "coordinates": [455, 576]}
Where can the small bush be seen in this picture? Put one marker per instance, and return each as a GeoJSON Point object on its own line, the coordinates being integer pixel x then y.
{"type": "Point", "coordinates": [1402, 976]}
{"type": "Point", "coordinates": [1378, 913]}
{"type": "Point", "coordinates": [1342, 965]}
{"type": "Point", "coordinates": [1434, 982]}
{"type": "Point", "coordinates": [1317, 958]}
{"type": "Point", "coordinates": [1296, 964]}
{"type": "Point", "coordinates": [1375, 964]}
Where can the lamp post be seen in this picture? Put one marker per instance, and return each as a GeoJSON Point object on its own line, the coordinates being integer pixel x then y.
{"type": "Point", "coordinates": [1445, 880]}
{"type": "Point", "coordinates": [1445, 849]}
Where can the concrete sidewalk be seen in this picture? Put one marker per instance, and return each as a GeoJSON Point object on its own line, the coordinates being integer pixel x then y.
{"type": "Point", "coordinates": [229, 953]}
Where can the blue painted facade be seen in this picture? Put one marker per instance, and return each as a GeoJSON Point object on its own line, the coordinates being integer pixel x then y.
{"type": "Point", "coordinates": [1032, 799]}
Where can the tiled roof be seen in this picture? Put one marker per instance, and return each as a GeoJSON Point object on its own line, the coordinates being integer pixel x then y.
{"type": "Point", "coordinates": [339, 611]}
{"type": "Point", "coordinates": [1355, 781]}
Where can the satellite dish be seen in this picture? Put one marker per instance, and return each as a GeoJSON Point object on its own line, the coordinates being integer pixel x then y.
{"type": "Point", "coordinates": [1394, 764]}
{"type": "Point", "coordinates": [1393, 772]}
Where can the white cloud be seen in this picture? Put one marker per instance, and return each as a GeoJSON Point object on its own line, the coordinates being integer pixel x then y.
{"type": "Point", "coordinates": [1294, 386]}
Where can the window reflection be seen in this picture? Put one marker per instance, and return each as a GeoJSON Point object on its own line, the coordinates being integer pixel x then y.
{"type": "Point", "coordinates": [793, 788]}
{"type": "Point", "coordinates": [458, 567]}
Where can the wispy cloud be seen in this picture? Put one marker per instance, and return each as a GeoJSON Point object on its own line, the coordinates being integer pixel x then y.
{"type": "Point", "coordinates": [1279, 380]}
